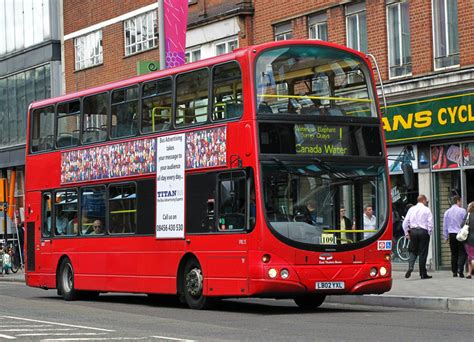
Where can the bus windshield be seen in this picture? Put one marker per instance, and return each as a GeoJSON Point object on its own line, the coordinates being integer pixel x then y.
{"type": "Point", "coordinates": [318, 204]}
{"type": "Point", "coordinates": [313, 80]}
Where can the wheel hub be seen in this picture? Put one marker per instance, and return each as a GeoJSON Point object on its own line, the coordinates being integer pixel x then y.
{"type": "Point", "coordinates": [194, 282]}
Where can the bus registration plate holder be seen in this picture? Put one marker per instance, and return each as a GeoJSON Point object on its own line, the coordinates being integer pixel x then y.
{"type": "Point", "coordinates": [330, 285]}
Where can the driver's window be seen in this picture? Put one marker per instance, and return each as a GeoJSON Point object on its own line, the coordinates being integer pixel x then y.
{"type": "Point", "coordinates": [232, 202]}
{"type": "Point", "coordinates": [227, 91]}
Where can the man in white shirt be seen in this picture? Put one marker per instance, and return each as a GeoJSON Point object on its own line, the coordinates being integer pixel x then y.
{"type": "Point", "coordinates": [370, 221]}
{"type": "Point", "coordinates": [418, 226]}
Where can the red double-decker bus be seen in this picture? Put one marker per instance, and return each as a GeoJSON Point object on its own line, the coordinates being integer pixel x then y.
{"type": "Point", "coordinates": [259, 173]}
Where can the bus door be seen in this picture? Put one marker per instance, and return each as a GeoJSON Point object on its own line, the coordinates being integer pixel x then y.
{"type": "Point", "coordinates": [228, 263]}
{"type": "Point", "coordinates": [40, 207]}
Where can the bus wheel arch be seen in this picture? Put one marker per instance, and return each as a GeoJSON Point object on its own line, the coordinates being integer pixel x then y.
{"type": "Point", "coordinates": [65, 279]}
{"type": "Point", "coordinates": [190, 283]}
{"type": "Point", "coordinates": [58, 268]}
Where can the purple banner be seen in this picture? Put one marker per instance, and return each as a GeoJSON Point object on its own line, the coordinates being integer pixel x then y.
{"type": "Point", "coordinates": [176, 20]}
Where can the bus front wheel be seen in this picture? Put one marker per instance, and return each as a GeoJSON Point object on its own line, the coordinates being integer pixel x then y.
{"type": "Point", "coordinates": [66, 281]}
{"type": "Point", "coordinates": [193, 285]}
{"type": "Point", "coordinates": [311, 301]}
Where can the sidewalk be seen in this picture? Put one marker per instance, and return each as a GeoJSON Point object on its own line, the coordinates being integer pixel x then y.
{"type": "Point", "coordinates": [442, 292]}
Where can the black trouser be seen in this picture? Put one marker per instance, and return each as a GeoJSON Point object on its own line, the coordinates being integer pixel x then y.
{"type": "Point", "coordinates": [419, 243]}
{"type": "Point", "coordinates": [458, 254]}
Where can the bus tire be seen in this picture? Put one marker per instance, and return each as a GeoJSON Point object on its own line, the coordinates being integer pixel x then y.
{"type": "Point", "coordinates": [193, 286]}
{"type": "Point", "coordinates": [66, 281]}
{"type": "Point", "coordinates": [310, 301]}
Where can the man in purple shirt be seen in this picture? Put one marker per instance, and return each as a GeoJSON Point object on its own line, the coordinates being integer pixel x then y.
{"type": "Point", "coordinates": [418, 226]}
{"type": "Point", "coordinates": [452, 223]}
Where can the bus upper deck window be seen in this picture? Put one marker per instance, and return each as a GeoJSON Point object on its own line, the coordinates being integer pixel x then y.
{"type": "Point", "coordinates": [227, 91]}
{"type": "Point", "coordinates": [192, 97]}
{"type": "Point", "coordinates": [42, 129]}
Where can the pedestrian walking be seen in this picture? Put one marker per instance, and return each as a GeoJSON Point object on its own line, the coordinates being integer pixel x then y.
{"type": "Point", "coordinates": [453, 220]}
{"type": "Point", "coordinates": [418, 226]}
{"type": "Point", "coordinates": [469, 243]}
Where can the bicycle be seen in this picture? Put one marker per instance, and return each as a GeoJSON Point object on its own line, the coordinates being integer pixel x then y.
{"type": "Point", "coordinates": [402, 245]}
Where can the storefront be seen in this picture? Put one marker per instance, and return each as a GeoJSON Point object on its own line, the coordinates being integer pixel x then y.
{"type": "Point", "coordinates": [435, 135]}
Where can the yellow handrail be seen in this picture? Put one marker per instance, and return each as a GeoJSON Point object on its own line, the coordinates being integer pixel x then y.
{"type": "Point", "coordinates": [352, 99]}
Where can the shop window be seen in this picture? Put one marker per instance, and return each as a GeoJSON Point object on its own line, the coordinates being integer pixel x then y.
{"type": "Point", "coordinates": [95, 118]}
{"type": "Point", "coordinates": [124, 112]}
{"type": "Point", "coordinates": [42, 130]}
{"type": "Point", "coordinates": [68, 123]}
{"type": "Point", "coordinates": [192, 97]}
{"type": "Point", "coordinates": [227, 91]}
{"type": "Point", "coordinates": [156, 106]}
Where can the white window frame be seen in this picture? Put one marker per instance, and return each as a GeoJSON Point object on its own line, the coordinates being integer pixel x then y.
{"type": "Point", "coordinates": [227, 45]}
{"type": "Point", "coordinates": [356, 10]}
{"type": "Point", "coordinates": [84, 45]}
{"type": "Point", "coordinates": [149, 23]}
{"type": "Point", "coordinates": [435, 41]}
{"type": "Point", "coordinates": [400, 47]}
{"type": "Point", "coordinates": [284, 30]}
{"type": "Point", "coordinates": [315, 22]}
{"type": "Point", "coordinates": [189, 55]}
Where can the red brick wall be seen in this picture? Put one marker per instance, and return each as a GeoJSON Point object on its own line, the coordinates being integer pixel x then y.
{"type": "Point", "coordinates": [421, 37]}
{"type": "Point", "coordinates": [82, 14]}
{"type": "Point", "coordinates": [466, 31]}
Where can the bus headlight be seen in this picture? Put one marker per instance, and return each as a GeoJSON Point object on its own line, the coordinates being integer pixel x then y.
{"type": "Point", "coordinates": [284, 274]}
{"type": "Point", "coordinates": [373, 272]}
{"type": "Point", "coordinates": [383, 271]}
{"type": "Point", "coordinates": [272, 273]}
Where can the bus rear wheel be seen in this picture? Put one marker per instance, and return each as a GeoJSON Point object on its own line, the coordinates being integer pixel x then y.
{"type": "Point", "coordinates": [310, 301]}
{"type": "Point", "coordinates": [193, 286]}
{"type": "Point", "coordinates": [66, 281]}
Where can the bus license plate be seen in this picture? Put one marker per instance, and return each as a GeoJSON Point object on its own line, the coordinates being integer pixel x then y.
{"type": "Point", "coordinates": [330, 285]}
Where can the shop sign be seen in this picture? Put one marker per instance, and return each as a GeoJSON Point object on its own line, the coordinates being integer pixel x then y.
{"type": "Point", "coordinates": [430, 118]}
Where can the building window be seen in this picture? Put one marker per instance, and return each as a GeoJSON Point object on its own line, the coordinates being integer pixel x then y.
{"type": "Point", "coordinates": [193, 55]}
{"type": "Point", "coordinates": [24, 23]}
{"type": "Point", "coordinates": [141, 33]}
{"type": "Point", "coordinates": [16, 93]}
{"type": "Point", "coordinates": [227, 46]}
{"type": "Point", "coordinates": [445, 27]}
{"type": "Point", "coordinates": [283, 32]}
{"type": "Point", "coordinates": [399, 39]}
{"type": "Point", "coordinates": [318, 27]}
{"type": "Point", "coordinates": [88, 50]}
{"type": "Point", "coordinates": [356, 27]}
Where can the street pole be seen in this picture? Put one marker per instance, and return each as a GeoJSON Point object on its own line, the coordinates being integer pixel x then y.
{"type": "Point", "coordinates": [4, 223]}
{"type": "Point", "coordinates": [161, 34]}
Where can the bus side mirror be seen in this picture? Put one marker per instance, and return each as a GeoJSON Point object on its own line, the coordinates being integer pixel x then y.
{"type": "Point", "coordinates": [408, 175]}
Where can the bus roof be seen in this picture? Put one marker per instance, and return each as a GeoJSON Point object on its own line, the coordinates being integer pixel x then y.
{"type": "Point", "coordinates": [238, 53]}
